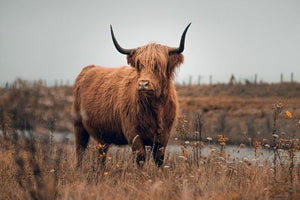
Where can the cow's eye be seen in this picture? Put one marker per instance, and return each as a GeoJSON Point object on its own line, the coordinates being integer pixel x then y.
{"type": "Point", "coordinates": [138, 65]}
{"type": "Point", "coordinates": [155, 68]}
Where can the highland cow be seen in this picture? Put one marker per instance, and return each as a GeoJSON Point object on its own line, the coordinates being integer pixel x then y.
{"type": "Point", "coordinates": [134, 105]}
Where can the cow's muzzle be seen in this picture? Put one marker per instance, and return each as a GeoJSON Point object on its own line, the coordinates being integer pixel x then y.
{"type": "Point", "coordinates": [145, 86]}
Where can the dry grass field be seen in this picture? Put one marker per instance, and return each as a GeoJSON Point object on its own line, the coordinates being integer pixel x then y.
{"type": "Point", "coordinates": [264, 118]}
{"type": "Point", "coordinates": [34, 169]}
{"type": "Point", "coordinates": [238, 111]}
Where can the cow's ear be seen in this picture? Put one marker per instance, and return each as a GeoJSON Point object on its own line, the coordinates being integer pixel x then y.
{"type": "Point", "coordinates": [174, 61]}
{"type": "Point", "coordinates": [131, 60]}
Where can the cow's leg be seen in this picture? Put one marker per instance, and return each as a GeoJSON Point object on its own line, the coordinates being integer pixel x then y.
{"type": "Point", "coordinates": [138, 148]}
{"type": "Point", "coordinates": [158, 153]}
{"type": "Point", "coordinates": [81, 141]}
{"type": "Point", "coordinates": [102, 150]}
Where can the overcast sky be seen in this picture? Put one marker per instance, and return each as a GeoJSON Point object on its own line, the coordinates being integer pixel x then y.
{"type": "Point", "coordinates": [55, 39]}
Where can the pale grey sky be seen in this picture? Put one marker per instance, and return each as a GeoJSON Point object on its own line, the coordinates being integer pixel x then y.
{"type": "Point", "coordinates": [55, 39]}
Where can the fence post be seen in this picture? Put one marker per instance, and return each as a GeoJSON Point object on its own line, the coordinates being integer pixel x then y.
{"type": "Point", "coordinates": [190, 80]}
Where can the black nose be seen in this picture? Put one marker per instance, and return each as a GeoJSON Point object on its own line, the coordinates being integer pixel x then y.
{"type": "Point", "coordinates": [143, 83]}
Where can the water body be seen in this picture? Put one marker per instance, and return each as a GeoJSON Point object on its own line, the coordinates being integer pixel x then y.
{"type": "Point", "coordinates": [232, 151]}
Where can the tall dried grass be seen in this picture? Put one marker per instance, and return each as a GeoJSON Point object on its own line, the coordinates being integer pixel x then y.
{"type": "Point", "coordinates": [39, 169]}
{"type": "Point", "coordinates": [230, 109]}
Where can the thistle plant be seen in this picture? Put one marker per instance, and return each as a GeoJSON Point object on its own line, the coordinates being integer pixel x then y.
{"type": "Point", "coordinates": [222, 142]}
{"type": "Point", "coordinates": [182, 130]}
{"type": "Point", "coordinates": [257, 146]}
{"type": "Point", "coordinates": [277, 109]}
{"type": "Point", "coordinates": [198, 143]}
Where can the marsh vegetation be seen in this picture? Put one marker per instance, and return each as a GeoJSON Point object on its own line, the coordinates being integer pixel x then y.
{"type": "Point", "coordinates": [203, 166]}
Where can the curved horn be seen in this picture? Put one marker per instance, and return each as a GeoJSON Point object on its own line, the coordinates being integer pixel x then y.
{"type": "Point", "coordinates": [181, 46]}
{"type": "Point", "coordinates": [118, 47]}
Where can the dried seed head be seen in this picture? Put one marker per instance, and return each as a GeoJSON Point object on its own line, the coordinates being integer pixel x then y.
{"type": "Point", "coordinates": [288, 114]}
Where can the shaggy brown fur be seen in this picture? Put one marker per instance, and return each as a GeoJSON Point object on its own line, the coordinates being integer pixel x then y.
{"type": "Point", "coordinates": [109, 106]}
